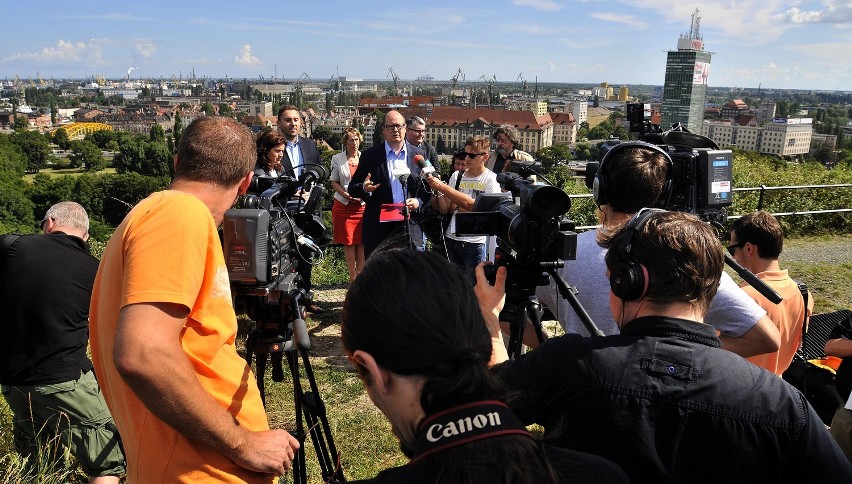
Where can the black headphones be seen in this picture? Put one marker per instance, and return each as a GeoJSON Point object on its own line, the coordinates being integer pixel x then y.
{"type": "Point", "coordinates": [600, 188]}
{"type": "Point", "coordinates": [626, 278]}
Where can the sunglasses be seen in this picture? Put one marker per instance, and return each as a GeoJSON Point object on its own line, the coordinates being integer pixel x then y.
{"type": "Point", "coordinates": [472, 155]}
{"type": "Point", "coordinates": [733, 247]}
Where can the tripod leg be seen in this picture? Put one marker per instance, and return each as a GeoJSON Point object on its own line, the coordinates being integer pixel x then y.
{"type": "Point", "coordinates": [515, 317]}
{"type": "Point", "coordinates": [261, 369]}
{"type": "Point", "coordinates": [317, 419]}
{"type": "Point", "coordinates": [299, 469]}
{"type": "Point", "coordinates": [534, 314]}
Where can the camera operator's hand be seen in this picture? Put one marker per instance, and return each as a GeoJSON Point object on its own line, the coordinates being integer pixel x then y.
{"type": "Point", "coordinates": [369, 186]}
{"type": "Point", "coordinates": [269, 451]}
{"type": "Point", "coordinates": [491, 300]}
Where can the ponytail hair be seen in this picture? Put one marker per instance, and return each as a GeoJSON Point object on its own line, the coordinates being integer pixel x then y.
{"type": "Point", "coordinates": [416, 314]}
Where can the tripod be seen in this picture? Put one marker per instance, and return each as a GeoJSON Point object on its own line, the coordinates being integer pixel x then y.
{"type": "Point", "coordinates": [280, 330]}
{"type": "Point", "coordinates": [522, 303]}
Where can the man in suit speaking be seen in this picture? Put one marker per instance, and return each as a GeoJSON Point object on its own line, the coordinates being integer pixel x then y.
{"type": "Point", "coordinates": [379, 181]}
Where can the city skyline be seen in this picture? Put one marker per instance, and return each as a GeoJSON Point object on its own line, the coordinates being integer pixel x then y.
{"type": "Point", "coordinates": [796, 44]}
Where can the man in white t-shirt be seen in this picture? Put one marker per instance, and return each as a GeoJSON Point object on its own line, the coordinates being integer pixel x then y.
{"type": "Point", "coordinates": [466, 251]}
{"type": "Point", "coordinates": [631, 176]}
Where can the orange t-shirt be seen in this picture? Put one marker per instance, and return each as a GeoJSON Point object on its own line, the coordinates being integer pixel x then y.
{"type": "Point", "coordinates": [787, 316]}
{"type": "Point", "coordinates": [168, 250]}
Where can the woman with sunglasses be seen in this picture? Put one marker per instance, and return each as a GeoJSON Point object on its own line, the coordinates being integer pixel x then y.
{"type": "Point", "coordinates": [460, 194]}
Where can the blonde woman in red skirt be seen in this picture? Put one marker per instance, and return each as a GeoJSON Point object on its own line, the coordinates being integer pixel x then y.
{"type": "Point", "coordinates": [347, 212]}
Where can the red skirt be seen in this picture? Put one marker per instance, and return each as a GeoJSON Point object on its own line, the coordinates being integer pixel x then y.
{"type": "Point", "coordinates": [346, 222]}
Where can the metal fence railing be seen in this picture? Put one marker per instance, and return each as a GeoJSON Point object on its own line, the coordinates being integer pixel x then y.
{"type": "Point", "coordinates": [763, 189]}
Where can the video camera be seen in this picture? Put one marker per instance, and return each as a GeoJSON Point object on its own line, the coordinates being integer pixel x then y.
{"type": "Point", "coordinates": [534, 237]}
{"type": "Point", "coordinates": [528, 219]}
{"type": "Point", "coordinates": [272, 230]}
{"type": "Point", "coordinates": [701, 174]}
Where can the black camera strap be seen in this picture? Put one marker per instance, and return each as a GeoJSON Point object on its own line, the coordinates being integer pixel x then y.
{"type": "Point", "coordinates": [464, 424]}
{"type": "Point", "coordinates": [6, 241]}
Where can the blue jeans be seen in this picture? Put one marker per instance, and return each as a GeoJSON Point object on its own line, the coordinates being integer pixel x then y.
{"type": "Point", "coordinates": [466, 254]}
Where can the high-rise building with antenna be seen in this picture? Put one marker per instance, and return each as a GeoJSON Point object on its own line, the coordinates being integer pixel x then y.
{"type": "Point", "coordinates": [685, 87]}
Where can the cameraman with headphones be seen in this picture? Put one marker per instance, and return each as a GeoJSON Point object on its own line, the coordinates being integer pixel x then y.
{"type": "Point", "coordinates": [633, 175]}
{"type": "Point", "coordinates": [662, 399]}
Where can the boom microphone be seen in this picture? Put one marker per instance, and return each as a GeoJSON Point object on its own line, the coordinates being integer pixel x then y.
{"type": "Point", "coordinates": [313, 174]}
{"type": "Point", "coordinates": [425, 165]}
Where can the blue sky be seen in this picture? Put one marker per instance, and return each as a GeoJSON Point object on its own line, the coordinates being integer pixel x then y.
{"type": "Point", "coordinates": [778, 44]}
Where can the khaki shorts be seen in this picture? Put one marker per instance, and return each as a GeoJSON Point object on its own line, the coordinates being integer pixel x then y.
{"type": "Point", "coordinates": [74, 415]}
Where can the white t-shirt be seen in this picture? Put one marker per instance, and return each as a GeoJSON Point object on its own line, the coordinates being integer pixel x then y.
{"type": "Point", "coordinates": [731, 311]}
{"type": "Point", "coordinates": [486, 182]}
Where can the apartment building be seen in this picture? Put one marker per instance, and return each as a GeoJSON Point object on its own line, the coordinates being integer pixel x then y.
{"type": "Point", "coordinates": [451, 126]}
{"type": "Point", "coordinates": [782, 137]}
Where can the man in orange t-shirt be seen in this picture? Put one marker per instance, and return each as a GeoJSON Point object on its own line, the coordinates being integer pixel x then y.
{"type": "Point", "coordinates": [756, 243]}
{"type": "Point", "coordinates": [163, 327]}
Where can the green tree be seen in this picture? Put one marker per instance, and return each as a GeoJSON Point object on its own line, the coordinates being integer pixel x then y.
{"type": "Point", "coordinates": [321, 132]}
{"type": "Point", "coordinates": [554, 155]}
{"type": "Point", "coordinates": [208, 109]}
{"type": "Point", "coordinates": [440, 145]}
{"type": "Point", "coordinates": [87, 155]}
{"type": "Point", "coordinates": [60, 137]}
{"type": "Point", "coordinates": [130, 155]}
{"type": "Point", "coordinates": [583, 151]}
{"type": "Point", "coordinates": [157, 133]}
{"type": "Point", "coordinates": [35, 146]}
{"type": "Point", "coordinates": [21, 122]}
{"type": "Point", "coordinates": [177, 130]}
{"type": "Point", "coordinates": [157, 161]}
{"type": "Point", "coordinates": [377, 131]}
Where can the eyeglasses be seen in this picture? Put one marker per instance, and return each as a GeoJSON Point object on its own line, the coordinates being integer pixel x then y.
{"type": "Point", "coordinates": [733, 247]}
{"type": "Point", "coordinates": [418, 131]}
{"type": "Point", "coordinates": [395, 127]}
{"type": "Point", "coordinates": [473, 155]}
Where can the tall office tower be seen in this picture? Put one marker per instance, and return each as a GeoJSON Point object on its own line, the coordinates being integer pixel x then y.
{"type": "Point", "coordinates": [685, 87]}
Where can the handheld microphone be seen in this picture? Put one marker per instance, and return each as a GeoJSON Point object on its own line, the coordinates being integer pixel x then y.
{"type": "Point", "coordinates": [425, 165]}
{"type": "Point", "coordinates": [401, 172]}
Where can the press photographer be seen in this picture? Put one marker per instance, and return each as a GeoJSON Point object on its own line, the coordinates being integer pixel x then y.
{"type": "Point", "coordinates": [424, 365]}
{"type": "Point", "coordinates": [638, 174]}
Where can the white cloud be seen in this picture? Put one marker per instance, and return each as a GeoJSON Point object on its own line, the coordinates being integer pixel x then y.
{"type": "Point", "coordinates": [628, 20]}
{"type": "Point", "coordinates": [834, 12]}
{"type": "Point", "coordinates": [64, 51]}
{"type": "Point", "coordinates": [246, 58]}
{"type": "Point", "coordinates": [546, 5]}
{"type": "Point", "coordinates": [145, 48]}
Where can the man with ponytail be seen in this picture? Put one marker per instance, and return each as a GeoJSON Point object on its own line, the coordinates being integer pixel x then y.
{"type": "Point", "coordinates": [425, 366]}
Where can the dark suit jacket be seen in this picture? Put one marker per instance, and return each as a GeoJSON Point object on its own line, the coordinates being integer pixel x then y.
{"type": "Point", "coordinates": [310, 155]}
{"type": "Point", "coordinates": [431, 154]}
{"type": "Point", "coordinates": [374, 162]}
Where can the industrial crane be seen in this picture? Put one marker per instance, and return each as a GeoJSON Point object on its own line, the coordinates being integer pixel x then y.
{"type": "Point", "coordinates": [490, 82]}
{"type": "Point", "coordinates": [523, 81]}
{"type": "Point", "coordinates": [395, 78]}
{"type": "Point", "coordinates": [455, 78]}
